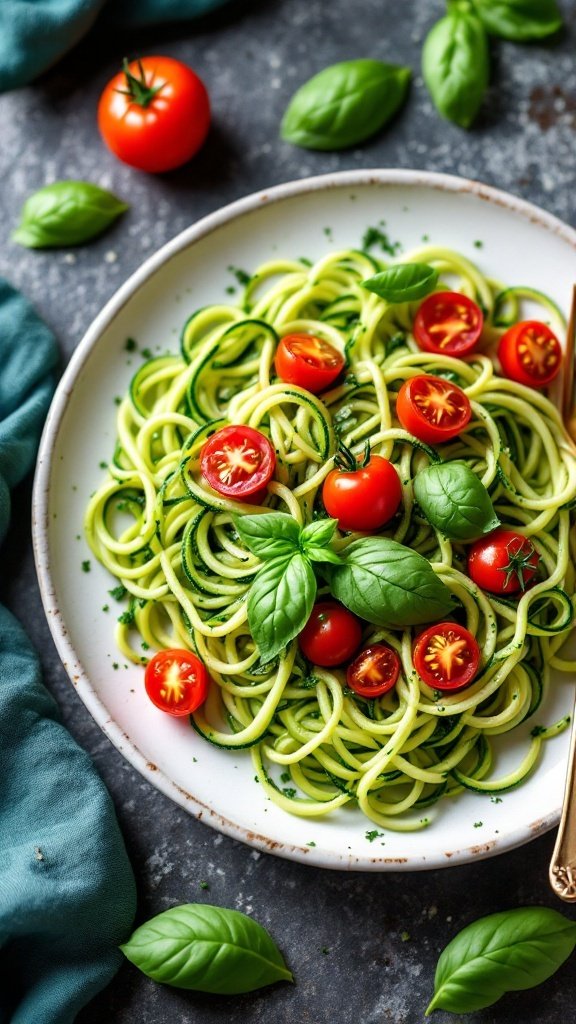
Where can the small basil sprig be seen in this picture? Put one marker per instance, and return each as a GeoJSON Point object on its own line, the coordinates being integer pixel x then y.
{"type": "Point", "coordinates": [344, 104]}
{"type": "Point", "coordinates": [66, 213]}
{"type": "Point", "coordinates": [519, 20]}
{"type": "Point", "coordinates": [455, 65]}
{"type": "Point", "coordinates": [403, 282]}
{"type": "Point", "coordinates": [455, 501]}
{"type": "Point", "coordinates": [206, 949]}
{"type": "Point", "coordinates": [505, 952]}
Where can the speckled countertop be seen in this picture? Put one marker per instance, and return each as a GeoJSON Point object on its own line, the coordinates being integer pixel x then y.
{"type": "Point", "coordinates": [362, 947]}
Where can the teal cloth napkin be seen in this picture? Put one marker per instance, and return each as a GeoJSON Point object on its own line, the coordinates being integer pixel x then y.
{"type": "Point", "coordinates": [67, 894]}
{"type": "Point", "coordinates": [34, 34]}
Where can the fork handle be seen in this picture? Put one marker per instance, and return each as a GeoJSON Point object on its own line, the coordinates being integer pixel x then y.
{"type": "Point", "coordinates": [563, 863]}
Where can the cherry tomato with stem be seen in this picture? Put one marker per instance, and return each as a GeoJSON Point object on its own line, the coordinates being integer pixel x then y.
{"type": "Point", "coordinates": [530, 353]}
{"type": "Point", "coordinates": [238, 462]}
{"type": "Point", "coordinates": [361, 496]}
{"type": "Point", "coordinates": [331, 635]}
{"type": "Point", "coordinates": [503, 562]}
{"type": "Point", "coordinates": [446, 657]}
{"type": "Point", "coordinates": [432, 409]}
{"type": "Point", "coordinates": [448, 322]}
{"type": "Point", "coordinates": [154, 114]}
{"type": "Point", "coordinates": [308, 361]}
{"type": "Point", "coordinates": [374, 671]}
{"type": "Point", "coordinates": [176, 681]}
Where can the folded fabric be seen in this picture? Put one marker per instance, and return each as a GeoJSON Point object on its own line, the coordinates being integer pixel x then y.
{"type": "Point", "coordinates": [67, 894]}
{"type": "Point", "coordinates": [34, 34]}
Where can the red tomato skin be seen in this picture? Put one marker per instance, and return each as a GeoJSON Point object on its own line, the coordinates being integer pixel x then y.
{"type": "Point", "coordinates": [452, 632]}
{"type": "Point", "coordinates": [253, 489]}
{"type": "Point", "coordinates": [195, 681]}
{"type": "Point", "coordinates": [427, 321]}
{"type": "Point", "coordinates": [489, 557]}
{"type": "Point", "coordinates": [314, 376]}
{"type": "Point", "coordinates": [511, 359]}
{"type": "Point", "coordinates": [364, 499]}
{"type": "Point", "coordinates": [166, 133]}
{"type": "Point", "coordinates": [331, 635]}
{"type": "Point", "coordinates": [385, 661]}
{"type": "Point", "coordinates": [414, 421]}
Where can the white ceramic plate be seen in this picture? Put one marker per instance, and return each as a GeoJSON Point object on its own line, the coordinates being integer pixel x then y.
{"type": "Point", "coordinates": [519, 244]}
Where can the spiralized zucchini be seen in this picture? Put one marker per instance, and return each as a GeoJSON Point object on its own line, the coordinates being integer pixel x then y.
{"type": "Point", "coordinates": [170, 540]}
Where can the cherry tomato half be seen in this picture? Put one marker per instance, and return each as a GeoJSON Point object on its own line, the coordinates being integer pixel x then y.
{"type": "Point", "coordinates": [446, 656]}
{"type": "Point", "coordinates": [331, 634]}
{"type": "Point", "coordinates": [503, 562]}
{"type": "Point", "coordinates": [176, 681]}
{"type": "Point", "coordinates": [361, 496]}
{"type": "Point", "coordinates": [448, 322]}
{"type": "Point", "coordinates": [308, 361]}
{"type": "Point", "coordinates": [374, 671]}
{"type": "Point", "coordinates": [155, 114]}
{"type": "Point", "coordinates": [238, 462]}
{"type": "Point", "coordinates": [530, 354]}
{"type": "Point", "coordinates": [433, 409]}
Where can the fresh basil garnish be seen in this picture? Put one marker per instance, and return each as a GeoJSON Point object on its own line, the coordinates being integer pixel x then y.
{"type": "Point", "coordinates": [388, 584]}
{"type": "Point", "coordinates": [270, 535]}
{"type": "Point", "coordinates": [403, 282]}
{"type": "Point", "coordinates": [66, 213]}
{"type": "Point", "coordinates": [345, 104]}
{"type": "Point", "coordinates": [206, 949]}
{"type": "Point", "coordinates": [519, 20]}
{"type": "Point", "coordinates": [455, 65]}
{"type": "Point", "coordinates": [280, 602]}
{"type": "Point", "coordinates": [455, 501]}
{"type": "Point", "coordinates": [505, 952]}
{"type": "Point", "coordinates": [315, 540]}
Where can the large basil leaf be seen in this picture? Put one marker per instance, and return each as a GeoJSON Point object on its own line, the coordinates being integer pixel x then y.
{"type": "Point", "coordinates": [207, 949]}
{"type": "Point", "coordinates": [455, 501]}
{"type": "Point", "coordinates": [504, 952]}
{"type": "Point", "coordinates": [403, 282]}
{"type": "Point", "coordinates": [279, 603]}
{"type": "Point", "coordinates": [66, 213]}
{"type": "Point", "coordinates": [344, 104]}
{"type": "Point", "coordinates": [520, 20]}
{"type": "Point", "coordinates": [270, 535]}
{"type": "Point", "coordinates": [389, 584]}
{"type": "Point", "coordinates": [455, 66]}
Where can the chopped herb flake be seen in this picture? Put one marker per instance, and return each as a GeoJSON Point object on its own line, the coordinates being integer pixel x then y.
{"type": "Point", "coordinates": [86, 565]}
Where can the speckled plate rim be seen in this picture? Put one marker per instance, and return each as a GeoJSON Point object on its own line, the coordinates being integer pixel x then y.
{"type": "Point", "coordinates": [40, 498]}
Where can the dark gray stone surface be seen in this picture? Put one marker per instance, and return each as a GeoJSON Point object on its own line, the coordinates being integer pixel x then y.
{"type": "Point", "coordinates": [344, 935]}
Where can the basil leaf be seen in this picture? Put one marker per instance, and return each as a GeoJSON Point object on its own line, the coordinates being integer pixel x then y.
{"type": "Point", "coordinates": [271, 535]}
{"type": "Point", "coordinates": [206, 949]}
{"type": "Point", "coordinates": [403, 282]}
{"type": "Point", "coordinates": [66, 213]}
{"type": "Point", "coordinates": [455, 501]}
{"type": "Point", "coordinates": [505, 952]}
{"type": "Point", "coordinates": [455, 66]}
{"type": "Point", "coordinates": [389, 584]}
{"type": "Point", "coordinates": [519, 20]}
{"type": "Point", "coordinates": [321, 532]}
{"type": "Point", "coordinates": [345, 104]}
{"type": "Point", "coordinates": [279, 602]}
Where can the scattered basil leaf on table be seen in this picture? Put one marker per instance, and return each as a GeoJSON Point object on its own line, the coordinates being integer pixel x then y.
{"type": "Point", "coordinates": [66, 213]}
{"type": "Point", "coordinates": [505, 952]}
{"type": "Point", "coordinates": [403, 282]}
{"type": "Point", "coordinates": [270, 535]}
{"type": "Point", "coordinates": [206, 949]}
{"type": "Point", "coordinates": [345, 104]}
{"type": "Point", "coordinates": [455, 501]}
{"type": "Point", "coordinates": [519, 20]}
{"type": "Point", "coordinates": [455, 65]}
{"type": "Point", "coordinates": [280, 601]}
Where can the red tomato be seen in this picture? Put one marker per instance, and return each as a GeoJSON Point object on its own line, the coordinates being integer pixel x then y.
{"type": "Point", "coordinates": [331, 634]}
{"type": "Point", "coordinates": [361, 497]}
{"type": "Point", "coordinates": [504, 562]}
{"type": "Point", "coordinates": [448, 322]}
{"type": "Point", "coordinates": [374, 671]}
{"type": "Point", "coordinates": [176, 681]}
{"type": "Point", "coordinates": [155, 114]}
{"type": "Point", "coordinates": [238, 462]}
{"type": "Point", "coordinates": [308, 361]}
{"type": "Point", "coordinates": [433, 409]}
{"type": "Point", "coordinates": [530, 354]}
{"type": "Point", "coordinates": [446, 656]}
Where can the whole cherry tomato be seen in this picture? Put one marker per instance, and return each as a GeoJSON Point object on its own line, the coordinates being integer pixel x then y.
{"type": "Point", "coordinates": [446, 656]}
{"type": "Point", "coordinates": [238, 461]}
{"type": "Point", "coordinates": [176, 681]}
{"type": "Point", "coordinates": [307, 361]}
{"type": "Point", "coordinates": [374, 671]}
{"type": "Point", "coordinates": [432, 408]}
{"type": "Point", "coordinates": [503, 562]}
{"type": "Point", "coordinates": [154, 114]}
{"type": "Point", "coordinates": [361, 496]}
{"type": "Point", "coordinates": [530, 354]}
{"type": "Point", "coordinates": [448, 322]}
{"type": "Point", "coordinates": [331, 634]}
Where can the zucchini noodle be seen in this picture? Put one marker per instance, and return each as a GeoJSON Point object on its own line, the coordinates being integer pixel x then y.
{"type": "Point", "coordinates": [170, 541]}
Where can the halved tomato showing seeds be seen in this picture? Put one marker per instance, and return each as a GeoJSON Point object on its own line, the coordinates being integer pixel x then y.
{"type": "Point", "coordinates": [448, 322]}
{"type": "Point", "coordinates": [530, 354]}
{"type": "Point", "coordinates": [374, 671]}
{"type": "Point", "coordinates": [308, 361]}
{"type": "Point", "coordinates": [446, 656]}
{"type": "Point", "coordinates": [432, 408]}
{"type": "Point", "coordinates": [176, 681]}
{"type": "Point", "coordinates": [238, 462]}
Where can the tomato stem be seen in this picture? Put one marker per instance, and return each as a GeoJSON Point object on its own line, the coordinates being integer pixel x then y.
{"type": "Point", "coordinates": [520, 562]}
{"type": "Point", "coordinates": [138, 89]}
{"type": "Point", "coordinates": [346, 461]}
